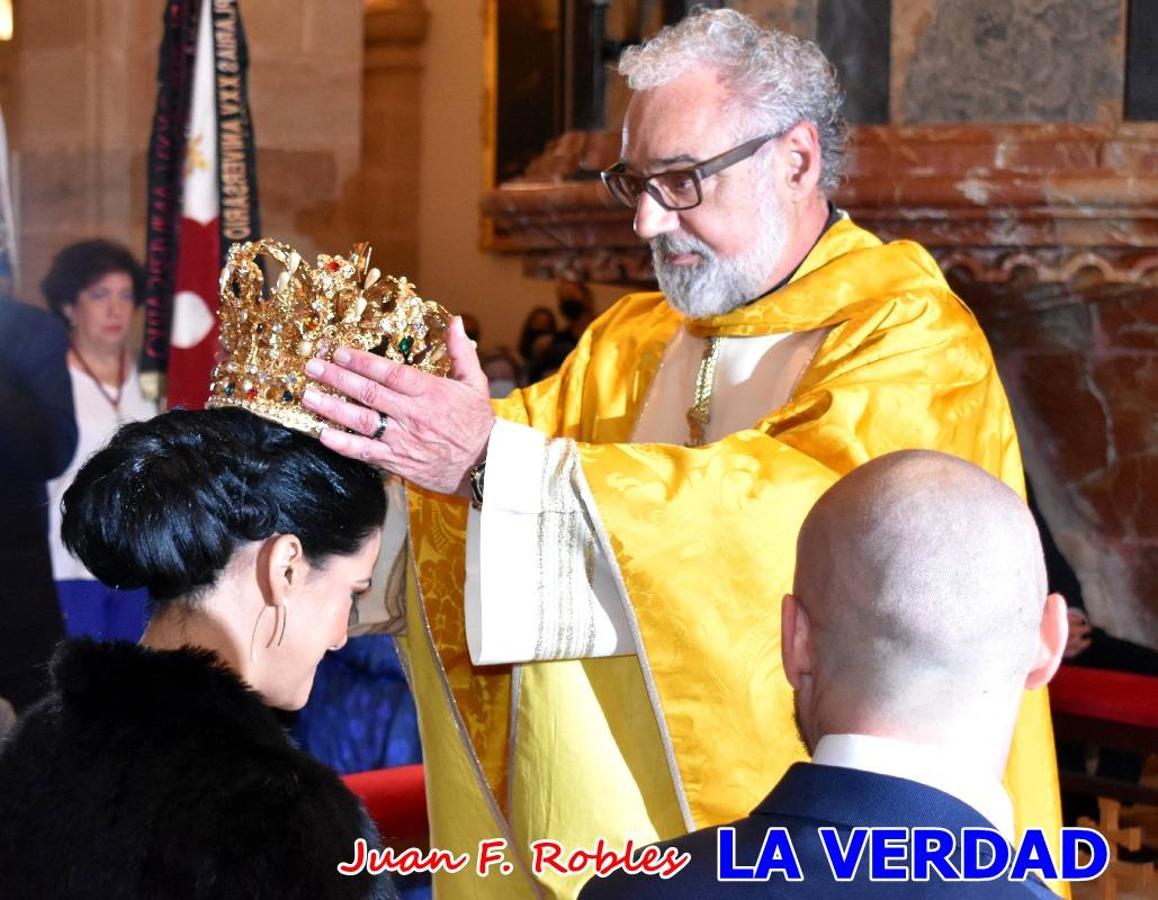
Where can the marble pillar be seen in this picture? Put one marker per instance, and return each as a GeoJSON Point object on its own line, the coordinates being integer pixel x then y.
{"type": "Point", "coordinates": [1007, 60]}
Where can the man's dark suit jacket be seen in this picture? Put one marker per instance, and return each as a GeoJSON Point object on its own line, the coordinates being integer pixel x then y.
{"type": "Point", "coordinates": [37, 441]}
{"type": "Point", "coordinates": [807, 798]}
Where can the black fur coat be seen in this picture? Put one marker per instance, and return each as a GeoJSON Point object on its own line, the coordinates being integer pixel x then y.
{"type": "Point", "coordinates": [159, 775]}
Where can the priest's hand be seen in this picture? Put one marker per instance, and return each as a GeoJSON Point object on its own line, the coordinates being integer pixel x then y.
{"type": "Point", "coordinates": [429, 430]}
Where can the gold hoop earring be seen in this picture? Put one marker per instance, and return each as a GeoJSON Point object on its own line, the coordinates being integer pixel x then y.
{"type": "Point", "coordinates": [284, 620]}
{"type": "Point", "coordinates": [253, 637]}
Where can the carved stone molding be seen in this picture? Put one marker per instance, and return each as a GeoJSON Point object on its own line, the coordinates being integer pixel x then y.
{"type": "Point", "coordinates": [1050, 202]}
{"type": "Point", "coordinates": [1052, 264]}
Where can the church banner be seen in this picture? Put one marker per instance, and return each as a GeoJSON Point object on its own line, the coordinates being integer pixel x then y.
{"type": "Point", "coordinates": [202, 192]}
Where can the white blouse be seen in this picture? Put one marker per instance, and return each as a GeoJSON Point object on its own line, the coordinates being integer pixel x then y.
{"type": "Point", "coordinates": [96, 420]}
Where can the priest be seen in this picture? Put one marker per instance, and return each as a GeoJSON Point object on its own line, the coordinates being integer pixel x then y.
{"type": "Point", "coordinates": [596, 562]}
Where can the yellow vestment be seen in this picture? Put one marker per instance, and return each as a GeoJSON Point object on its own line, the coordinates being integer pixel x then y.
{"type": "Point", "coordinates": [697, 728]}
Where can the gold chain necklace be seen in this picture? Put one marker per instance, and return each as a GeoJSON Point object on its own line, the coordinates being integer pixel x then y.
{"type": "Point", "coordinates": [700, 413]}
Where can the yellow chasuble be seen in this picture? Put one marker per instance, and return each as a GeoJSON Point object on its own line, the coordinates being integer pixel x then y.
{"type": "Point", "coordinates": [697, 727]}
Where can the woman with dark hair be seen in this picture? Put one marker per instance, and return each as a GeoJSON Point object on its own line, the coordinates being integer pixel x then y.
{"type": "Point", "coordinates": [95, 286]}
{"type": "Point", "coordinates": [161, 770]}
{"type": "Point", "coordinates": [538, 331]}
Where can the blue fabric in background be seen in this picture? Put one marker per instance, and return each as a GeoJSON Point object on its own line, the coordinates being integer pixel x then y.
{"type": "Point", "coordinates": [95, 610]}
{"type": "Point", "coordinates": [360, 714]}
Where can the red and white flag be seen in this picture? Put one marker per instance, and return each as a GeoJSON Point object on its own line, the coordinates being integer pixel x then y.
{"type": "Point", "coordinates": [202, 192]}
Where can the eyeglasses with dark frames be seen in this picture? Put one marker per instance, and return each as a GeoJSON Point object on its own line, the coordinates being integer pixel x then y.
{"type": "Point", "coordinates": [675, 189]}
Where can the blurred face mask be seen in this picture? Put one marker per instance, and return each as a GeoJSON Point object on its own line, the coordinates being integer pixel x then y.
{"type": "Point", "coordinates": [500, 387]}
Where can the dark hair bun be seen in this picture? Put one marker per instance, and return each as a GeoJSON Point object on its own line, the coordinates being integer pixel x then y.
{"type": "Point", "coordinates": [168, 502]}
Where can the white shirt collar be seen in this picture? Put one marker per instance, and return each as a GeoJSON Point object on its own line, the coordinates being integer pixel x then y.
{"type": "Point", "coordinates": [925, 764]}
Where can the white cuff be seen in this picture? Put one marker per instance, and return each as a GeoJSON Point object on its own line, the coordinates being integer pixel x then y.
{"type": "Point", "coordinates": [539, 585]}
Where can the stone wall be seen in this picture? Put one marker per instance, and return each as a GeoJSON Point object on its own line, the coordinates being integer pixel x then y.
{"type": "Point", "coordinates": [306, 72]}
{"type": "Point", "coordinates": [79, 88]}
{"type": "Point", "coordinates": [1007, 60]}
{"type": "Point", "coordinates": [351, 130]}
{"type": "Point", "coordinates": [1080, 363]}
{"type": "Point", "coordinates": [795, 16]}
{"type": "Point", "coordinates": [983, 60]}
{"type": "Point", "coordinates": [78, 112]}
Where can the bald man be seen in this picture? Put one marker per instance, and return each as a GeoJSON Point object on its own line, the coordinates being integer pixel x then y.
{"type": "Point", "coordinates": [918, 616]}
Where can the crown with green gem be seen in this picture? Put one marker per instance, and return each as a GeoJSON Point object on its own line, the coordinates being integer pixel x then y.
{"type": "Point", "coordinates": [267, 336]}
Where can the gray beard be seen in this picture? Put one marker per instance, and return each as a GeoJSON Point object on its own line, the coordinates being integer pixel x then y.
{"type": "Point", "coordinates": [715, 286]}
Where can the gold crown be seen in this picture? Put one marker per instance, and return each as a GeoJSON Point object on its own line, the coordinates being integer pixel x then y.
{"type": "Point", "coordinates": [266, 339]}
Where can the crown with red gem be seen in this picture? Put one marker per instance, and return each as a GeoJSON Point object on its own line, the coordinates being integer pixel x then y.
{"type": "Point", "coordinates": [267, 337]}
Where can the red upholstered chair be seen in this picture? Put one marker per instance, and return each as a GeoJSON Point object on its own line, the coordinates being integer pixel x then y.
{"type": "Point", "coordinates": [1103, 708]}
{"type": "Point", "coordinates": [395, 798]}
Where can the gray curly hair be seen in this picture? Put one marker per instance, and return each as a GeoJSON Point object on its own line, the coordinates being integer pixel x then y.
{"type": "Point", "coordinates": [780, 79]}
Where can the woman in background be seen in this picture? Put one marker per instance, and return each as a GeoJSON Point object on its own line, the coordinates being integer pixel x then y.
{"type": "Point", "coordinates": [538, 332]}
{"type": "Point", "coordinates": [161, 770]}
{"type": "Point", "coordinates": [95, 286]}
